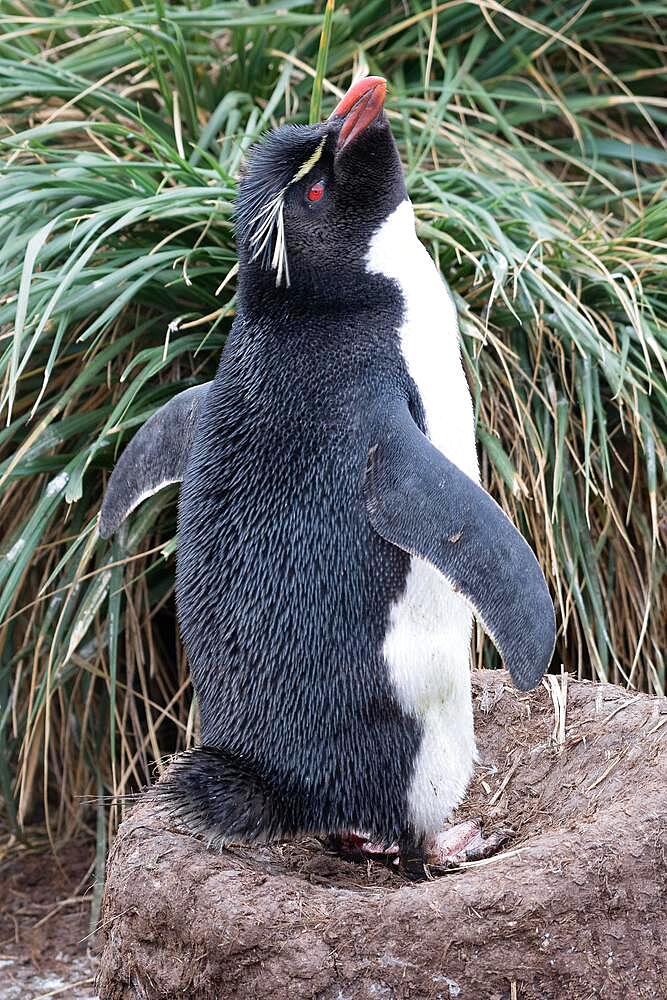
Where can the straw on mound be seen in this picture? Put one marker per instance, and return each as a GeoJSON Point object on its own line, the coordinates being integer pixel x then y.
{"type": "Point", "coordinates": [576, 907]}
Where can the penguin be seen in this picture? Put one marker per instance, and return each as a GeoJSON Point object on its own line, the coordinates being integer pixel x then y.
{"type": "Point", "coordinates": [334, 542]}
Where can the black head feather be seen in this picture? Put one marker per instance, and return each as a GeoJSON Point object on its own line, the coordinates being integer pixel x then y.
{"type": "Point", "coordinates": [293, 248]}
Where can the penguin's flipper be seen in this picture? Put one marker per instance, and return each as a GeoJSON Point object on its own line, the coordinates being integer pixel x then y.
{"type": "Point", "coordinates": [421, 502]}
{"type": "Point", "coordinates": [155, 457]}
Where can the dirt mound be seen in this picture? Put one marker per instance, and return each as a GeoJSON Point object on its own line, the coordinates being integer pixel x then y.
{"type": "Point", "coordinates": [576, 907]}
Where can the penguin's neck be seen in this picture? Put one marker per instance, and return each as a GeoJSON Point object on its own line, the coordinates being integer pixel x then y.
{"type": "Point", "coordinates": [310, 298]}
{"type": "Point", "coordinates": [429, 336]}
{"type": "Point", "coordinates": [361, 317]}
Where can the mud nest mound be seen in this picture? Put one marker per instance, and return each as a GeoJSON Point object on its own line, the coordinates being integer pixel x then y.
{"type": "Point", "coordinates": [575, 907]}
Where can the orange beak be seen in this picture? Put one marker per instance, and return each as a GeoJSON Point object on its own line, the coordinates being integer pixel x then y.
{"type": "Point", "coordinates": [360, 106]}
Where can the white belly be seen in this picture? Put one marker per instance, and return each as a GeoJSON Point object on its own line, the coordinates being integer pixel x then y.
{"type": "Point", "coordinates": [427, 646]}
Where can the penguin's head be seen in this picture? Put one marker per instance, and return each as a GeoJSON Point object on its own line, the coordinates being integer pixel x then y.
{"type": "Point", "coordinates": [311, 198]}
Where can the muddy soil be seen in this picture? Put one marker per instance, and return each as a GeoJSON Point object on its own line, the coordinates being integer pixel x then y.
{"type": "Point", "coordinates": [45, 902]}
{"type": "Point", "coordinates": [575, 907]}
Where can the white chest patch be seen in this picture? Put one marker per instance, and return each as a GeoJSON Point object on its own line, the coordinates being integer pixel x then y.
{"type": "Point", "coordinates": [427, 646]}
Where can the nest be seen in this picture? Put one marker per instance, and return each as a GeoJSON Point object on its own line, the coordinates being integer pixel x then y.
{"type": "Point", "coordinates": [575, 907]}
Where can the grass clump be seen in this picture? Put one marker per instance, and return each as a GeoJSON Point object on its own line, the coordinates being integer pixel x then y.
{"type": "Point", "coordinates": [533, 140]}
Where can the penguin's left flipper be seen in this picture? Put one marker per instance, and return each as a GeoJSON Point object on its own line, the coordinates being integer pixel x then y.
{"type": "Point", "coordinates": [155, 457]}
{"type": "Point", "coordinates": [423, 503]}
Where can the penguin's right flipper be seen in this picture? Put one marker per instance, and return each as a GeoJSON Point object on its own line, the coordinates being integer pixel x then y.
{"type": "Point", "coordinates": [424, 504]}
{"type": "Point", "coordinates": [155, 457]}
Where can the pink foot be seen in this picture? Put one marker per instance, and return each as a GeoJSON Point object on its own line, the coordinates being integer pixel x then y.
{"type": "Point", "coordinates": [463, 842]}
{"type": "Point", "coordinates": [373, 847]}
{"type": "Point", "coordinates": [440, 851]}
{"type": "Point", "coordinates": [357, 845]}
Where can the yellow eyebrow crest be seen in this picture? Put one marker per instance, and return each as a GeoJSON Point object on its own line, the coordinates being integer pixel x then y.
{"type": "Point", "coordinates": [310, 162]}
{"type": "Point", "coordinates": [270, 223]}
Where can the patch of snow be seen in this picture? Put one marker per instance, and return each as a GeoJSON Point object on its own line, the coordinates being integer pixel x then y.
{"type": "Point", "coordinates": [389, 959]}
{"type": "Point", "coordinates": [52, 983]}
{"type": "Point", "coordinates": [453, 987]}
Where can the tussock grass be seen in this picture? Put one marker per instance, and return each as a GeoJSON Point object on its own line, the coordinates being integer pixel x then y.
{"type": "Point", "coordinates": [533, 139]}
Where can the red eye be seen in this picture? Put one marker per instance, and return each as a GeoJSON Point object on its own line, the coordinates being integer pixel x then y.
{"type": "Point", "coordinates": [316, 191]}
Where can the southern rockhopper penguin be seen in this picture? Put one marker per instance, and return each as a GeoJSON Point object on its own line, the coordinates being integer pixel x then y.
{"type": "Point", "coordinates": [333, 539]}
